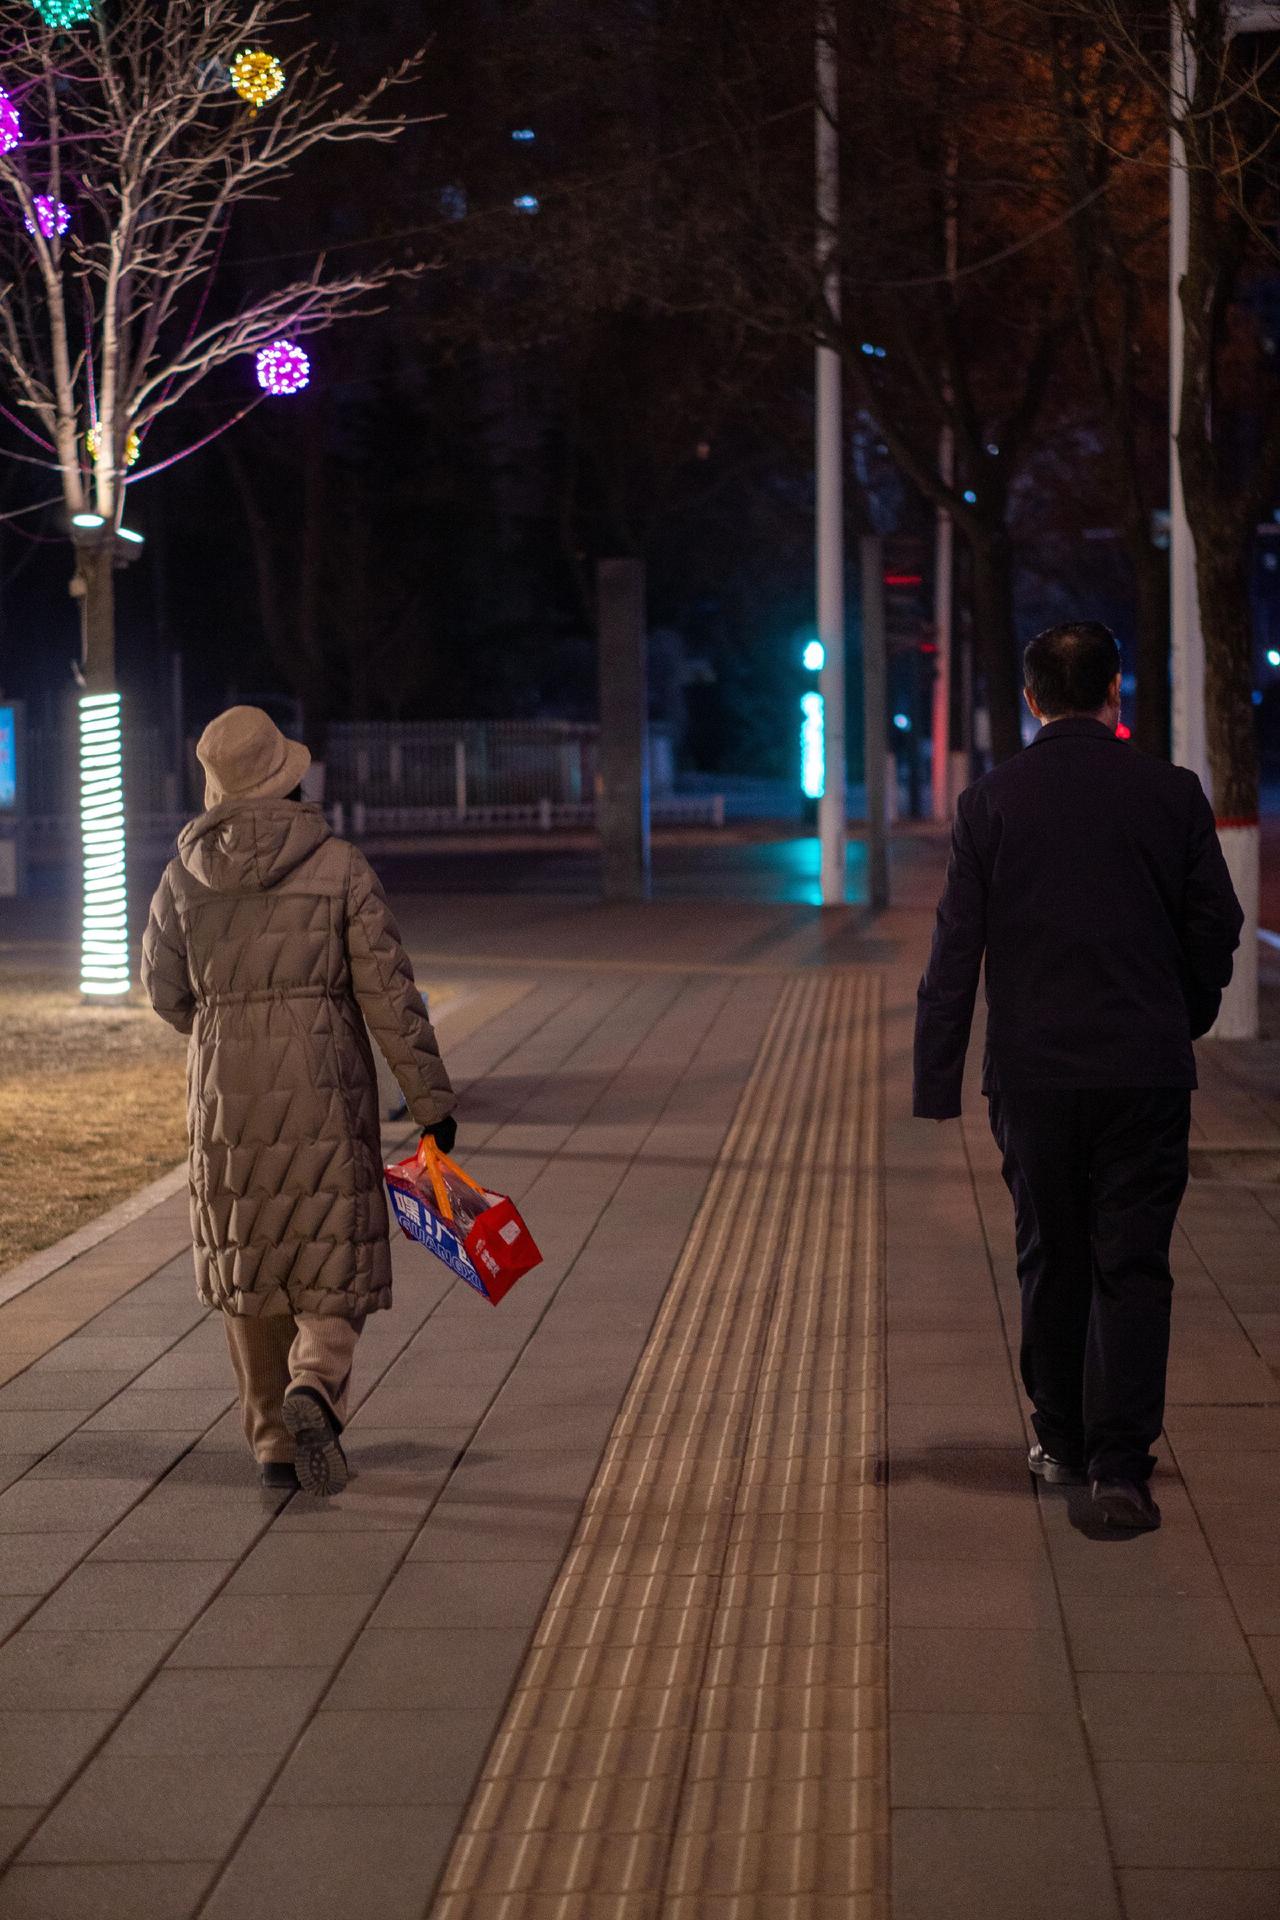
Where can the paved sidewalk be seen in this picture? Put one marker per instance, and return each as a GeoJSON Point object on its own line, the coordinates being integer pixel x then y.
{"type": "Point", "coordinates": [670, 1587]}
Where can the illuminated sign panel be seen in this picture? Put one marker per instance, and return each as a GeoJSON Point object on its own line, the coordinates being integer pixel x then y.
{"type": "Point", "coordinates": [8, 759]}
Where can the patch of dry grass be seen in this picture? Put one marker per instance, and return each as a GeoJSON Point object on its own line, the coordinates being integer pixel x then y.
{"type": "Point", "coordinates": [92, 1106]}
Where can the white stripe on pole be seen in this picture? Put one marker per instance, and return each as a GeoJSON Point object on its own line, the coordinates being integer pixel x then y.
{"type": "Point", "coordinates": [104, 951]}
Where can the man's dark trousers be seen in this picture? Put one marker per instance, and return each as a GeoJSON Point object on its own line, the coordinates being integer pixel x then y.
{"type": "Point", "coordinates": [1096, 1175]}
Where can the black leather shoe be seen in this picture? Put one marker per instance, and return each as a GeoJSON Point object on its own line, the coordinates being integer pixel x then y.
{"type": "Point", "coordinates": [279, 1476]}
{"type": "Point", "coordinates": [1058, 1473]}
{"type": "Point", "coordinates": [319, 1459]}
{"type": "Point", "coordinates": [1126, 1503]}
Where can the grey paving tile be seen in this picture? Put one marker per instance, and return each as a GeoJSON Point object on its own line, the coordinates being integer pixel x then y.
{"type": "Point", "coordinates": [40, 1390]}
{"type": "Point", "coordinates": [1239, 1475]}
{"type": "Point", "coordinates": [147, 1410]}
{"type": "Point", "coordinates": [1229, 1430]}
{"type": "Point", "coordinates": [933, 1521]}
{"type": "Point", "coordinates": [104, 1595]}
{"type": "Point", "coordinates": [968, 1383]}
{"type": "Point", "coordinates": [458, 1670]}
{"type": "Point", "coordinates": [173, 1531]}
{"type": "Point", "coordinates": [1240, 1534]}
{"type": "Point", "coordinates": [1005, 1865]}
{"type": "Point", "coordinates": [989, 1760]}
{"type": "Point", "coordinates": [515, 1477]}
{"type": "Point", "coordinates": [547, 1428]}
{"type": "Point", "coordinates": [387, 1759]}
{"type": "Point", "coordinates": [15, 1824]}
{"type": "Point", "coordinates": [377, 1500]}
{"type": "Point", "coordinates": [303, 1563]}
{"type": "Point", "coordinates": [917, 1428]}
{"type": "Point", "coordinates": [39, 1751]}
{"type": "Point", "coordinates": [289, 1852]}
{"type": "Point", "coordinates": [467, 1530]}
{"type": "Point", "coordinates": [973, 1593]}
{"type": "Point", "coordinates": [268, 1630]}
{"type": "Point", "coordinates": [457, 1593]}
{"type": "Point", "coordinates": [408, 1408]}
{"type": "Point", "coordinates": [180, 1807]}
{"type": "Point", "coordinates": [98, 1456]}
{"type": "Point", "coordinates": [1243, 1895]}
{"type": "Point", "coordinates": [34, 1433]}
{"type": "Point", "coordinates": [13, 1466]}
{"type": "Point", "coordinates": [1160, 1634]}
{"type": "Point", "coordinates": [973, 1670]}
{"type": "Point", "coordinates": [1179, 1716]}
{"type": "Point", "coordinates": [32, 1563]}
{"type": "Point", "coordinates": [1164, 1813]}
{"type": "Point", "coordinates": [188, 1365]}
{"type": "Point", "coordinates": [219, 1710]}
{"type": "Point", "coordinates": [86, 1670]}
{"type": "Point", "coordinates": [102, 1892]}
{"type": "Point", "coordinates": [64, 1506]}
{"type": "Point", "coordinates": [1255, 1595]}
{"type": "Point", "coordinates": [85, 1352]}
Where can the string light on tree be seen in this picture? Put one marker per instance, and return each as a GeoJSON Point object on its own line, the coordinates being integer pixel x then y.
{"type": "Point", "coordinates": [53, 216]}
{"type": "Point", "coordinates": [132, 446]}
{"type": "Point", "coordinates": [256, 76]}
{"type": "Point", "coordinates": [283, 368]}
{"type": "Point", "coordinates": [64, 13]}
{"type": "Point", "coordinates": [10, 125]}
{"type": "Point", "coordinates": [104, 964]}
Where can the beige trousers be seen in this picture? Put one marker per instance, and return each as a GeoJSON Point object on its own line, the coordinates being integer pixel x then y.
{"type": "Point", "coordinates": [273, 1352]}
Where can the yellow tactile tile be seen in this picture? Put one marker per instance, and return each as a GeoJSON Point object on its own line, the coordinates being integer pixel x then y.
{"type": "Point", "coordinates": [698, 1730]}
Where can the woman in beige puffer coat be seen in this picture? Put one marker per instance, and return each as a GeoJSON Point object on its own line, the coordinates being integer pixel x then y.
{"type": "Point", "coordinates": [271, 944]}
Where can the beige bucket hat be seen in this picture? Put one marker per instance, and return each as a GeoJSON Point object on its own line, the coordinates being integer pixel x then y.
{"type": "Point", "coordinates": [246, 757]}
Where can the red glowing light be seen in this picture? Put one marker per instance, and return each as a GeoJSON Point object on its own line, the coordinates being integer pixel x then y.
{"type": "Point", "coordinates": [1122, 732]}
{"type": "Point", "coordinates": [903, 579]}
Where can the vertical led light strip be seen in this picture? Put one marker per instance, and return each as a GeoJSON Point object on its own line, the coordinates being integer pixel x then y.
{"type": "Point", "coordinates": [104, 961]}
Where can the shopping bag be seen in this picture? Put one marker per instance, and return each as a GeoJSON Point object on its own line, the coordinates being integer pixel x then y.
{"type": "Point", "coordinates": [479, 1235]}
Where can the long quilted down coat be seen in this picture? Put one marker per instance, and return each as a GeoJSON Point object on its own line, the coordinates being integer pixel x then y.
{"type": "Point", "coordinates": [272, 945]}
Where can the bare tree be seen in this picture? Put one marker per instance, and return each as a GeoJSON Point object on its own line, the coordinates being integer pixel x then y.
{"type": "Point", "coordinates": [129, 140]}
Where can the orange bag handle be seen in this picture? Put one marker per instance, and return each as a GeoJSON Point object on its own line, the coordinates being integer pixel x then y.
{"type": "Point", "coordinates": [432, 1161]}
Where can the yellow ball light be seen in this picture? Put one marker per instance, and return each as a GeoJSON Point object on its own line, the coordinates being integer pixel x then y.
{"type": "Point", "coordinates": [256, 76]}
{"type": "Point", "coordinates": [132, 446]}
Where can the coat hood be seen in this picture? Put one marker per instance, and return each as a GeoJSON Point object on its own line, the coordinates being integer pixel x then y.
{"type": "Point", "coordinates": [248, 846]}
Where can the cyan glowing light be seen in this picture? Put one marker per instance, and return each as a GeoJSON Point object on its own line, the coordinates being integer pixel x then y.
{"type": "Point", "coordinates": [64, 13]}
{"type": "Point", "coordinates": [813, 747]}
{"type": "Point", "coordinates": [89, 521]}
{"type": "Point", "coordinates": [283, 368]}
{"type": "Point", "coordinates": [52, 216]}
{"type": "Point", "coordinates": [104, 947]}
{"type": "Point", "coordinates": [10, 124]}
{"type": "Point", "coordinates": [127, 533]}
{"type": "Point", "coordinates": [522, 133]}
{"type": "Point", "coordinates": [525, 203]}
{"type": "Point", "coordinates": [902, 723]}
{"type": "Point", "coordinates": [1273, 657]}
{"type": "Point", "coordinates": [971, 496]}
{"type": "Point", "coordinates": [814, 656]}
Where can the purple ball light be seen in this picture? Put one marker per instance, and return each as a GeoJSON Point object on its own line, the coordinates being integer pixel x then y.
{"type": "Point", "coordinates": [283, 368]}
{"type": "Point", "coordinates": [52, 216]}
{"type": "Point", "coordinates": [10, 125]}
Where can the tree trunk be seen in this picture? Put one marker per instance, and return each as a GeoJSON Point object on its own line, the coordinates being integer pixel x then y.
{"type": "Point", "coordinates": [995, 641]}
{"type": "Point", "coordinates": [1152, 711]}
{"type": "Point", "coordinates": [94, 586]}
{"type": "Point", "coordinates": [1226, 620]}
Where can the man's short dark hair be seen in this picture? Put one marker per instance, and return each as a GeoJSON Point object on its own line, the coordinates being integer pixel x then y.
{"type": "Point", "coordinates": [1068, 669]}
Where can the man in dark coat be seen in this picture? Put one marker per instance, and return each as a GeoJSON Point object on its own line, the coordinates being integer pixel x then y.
{"type": "Point", "coordinates": [1091, 878]}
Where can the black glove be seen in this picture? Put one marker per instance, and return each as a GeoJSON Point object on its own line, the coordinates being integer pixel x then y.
{"type": "Point", "coordinates": [444, 1133]}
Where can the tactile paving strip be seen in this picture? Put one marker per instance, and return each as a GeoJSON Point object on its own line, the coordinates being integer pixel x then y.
{"type": "Point", "coordinates": [698, 1730]}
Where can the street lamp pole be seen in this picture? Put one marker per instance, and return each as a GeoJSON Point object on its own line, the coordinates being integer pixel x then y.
{"type": "Point", "coordinates": [829, 476]}
{"type": "Point", "coordinates": [1186, 640]}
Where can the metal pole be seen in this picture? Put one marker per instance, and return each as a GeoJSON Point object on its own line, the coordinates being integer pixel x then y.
{"type": "Point", "coordinates": [944, 532]}
{"type": "Point", "coordinates": [874, 711]}
{"type": "Point", "coordinates": [829, 461]}
{"type": "Point", "coordinates": [1186, 639]}
{"type": "Point", "coordinates": [623, 767]}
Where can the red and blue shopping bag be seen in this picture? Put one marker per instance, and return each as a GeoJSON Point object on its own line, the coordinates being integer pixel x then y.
{"type": "Point", "coordinates": [479, 1235]}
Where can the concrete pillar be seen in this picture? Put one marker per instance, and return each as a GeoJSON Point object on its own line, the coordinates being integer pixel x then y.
{"type": "Point", "coordinates": [623, 777]}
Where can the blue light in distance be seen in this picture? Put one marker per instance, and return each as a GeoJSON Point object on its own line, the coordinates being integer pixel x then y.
{"type": "Point", "coordinates": [902, 723]}
{"type": "Point", "coordinates": [971, 496]}
{"type": "Point", "coordinates": [813, 747]}
{"type": "Point", "coordinates": [525, 203]}
{"type": "Point", "coordinates": [522, 133]}
{"type": "Point", "coordinates": [814, 657]}
{"type": "Point", "coordinates": [1273, 657]}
